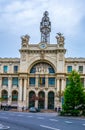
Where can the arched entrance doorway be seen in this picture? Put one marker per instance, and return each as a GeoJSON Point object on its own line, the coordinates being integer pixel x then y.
{"type": "Point", "coordinates": [31, 99]}
{"type": "Point", "coordinates": [41, 100]}
{"type": "Point", "coordinates": [14, 103]}
{"type": "Point", "coordinates": [51, 100]}
{"type": "Point", "coordinates": [4, 95]}
{"type": "Point", "coordinates": [14, 96]}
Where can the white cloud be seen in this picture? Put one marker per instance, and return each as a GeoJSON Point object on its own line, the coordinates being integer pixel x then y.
{"type": "Point", "coordinates": [63, 14]}
{"type": "Point", "coordinates": [24, 16]}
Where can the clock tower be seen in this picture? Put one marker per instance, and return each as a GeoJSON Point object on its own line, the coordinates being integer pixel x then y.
{"type": "Point", "coordinates": [45, 28]}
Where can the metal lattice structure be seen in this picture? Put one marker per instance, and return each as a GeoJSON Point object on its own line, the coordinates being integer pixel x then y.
{"type": "Point", "coordinates": [45, 28]}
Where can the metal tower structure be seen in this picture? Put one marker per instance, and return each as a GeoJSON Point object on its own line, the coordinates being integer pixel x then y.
{"type": "Point", "coordinates": [45, 28]}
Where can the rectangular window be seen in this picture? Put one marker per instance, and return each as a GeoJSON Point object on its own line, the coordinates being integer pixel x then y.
{"type": "Point", "coordinates": [69, 69]}
{"type": "Point", "coordinates": [15, 69]}
{"type": "Point", "coordinates": [5, 81]}
{"type": "Point", "coordinates": [15, 81]}
{"type": "Point", "coordinates": [82, 81]}
{"type": "Point", "coordinates": [5, 69]}
{"type": "Point", "coordinates": [67, 82]}
{"type": "Point", "coordinates": [80, 69]}
{"type": "Point", "coordinates": [51, 81]}
{"type": "Point", "coordinates": [32, 81]}
{"type": "Point", "coordinates": [41, 81]}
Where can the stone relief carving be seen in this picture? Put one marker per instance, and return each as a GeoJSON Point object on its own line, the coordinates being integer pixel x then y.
{"type": "Point", "coordinates": [42, 68]}
{"type": "Point", "coordinates": [61, 56]}
{"type": "Point", "coordinates": [23, 57]}
{"type": "Point", "coordinates": [42, 55]}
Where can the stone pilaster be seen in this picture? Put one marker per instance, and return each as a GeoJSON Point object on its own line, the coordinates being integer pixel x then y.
{"type": "Point", "coordinates": [46, 100]}
{"type": "Point", "coordinates": [46, 81]}
{"type": "Point", "coordinates": [36, 101]}
{"type": "Point", "coordinates": [55, 100]}
{"type": "Point", "coordinates": [58, 92]}
{"type": "Point", "coordinates": [0, 85]}
{"type": "Point", "coordinates": [36, 85]}
{"type": "Point", "coordinates": [63, 85]}
{"type": "Point", "coordinates": [58, 85]}
{"type": "Point", "coordinates": [84, 82]}
{"type": "Point", "coordinates": [9, 90]}
{"type": "Point", "coordinates": [25, 94]}
{"type": "Point", "coordinates": [20, 95]}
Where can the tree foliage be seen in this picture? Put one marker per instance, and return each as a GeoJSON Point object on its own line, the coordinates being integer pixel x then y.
{"type": "Point", "coordinates": [74, 95]}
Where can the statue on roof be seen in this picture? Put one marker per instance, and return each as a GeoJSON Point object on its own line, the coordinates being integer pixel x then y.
{"type": "Point", "coordinates": [25, 40]}
{"type": "Point", "coordinates": [60, 38]}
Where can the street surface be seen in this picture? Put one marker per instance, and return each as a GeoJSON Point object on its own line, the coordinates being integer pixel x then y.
{"type": "Point", "coordinates": [39, 121]}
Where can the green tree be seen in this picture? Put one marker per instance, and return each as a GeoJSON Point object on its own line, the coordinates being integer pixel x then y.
{"type": "Point", "coordinates": [74, 95]}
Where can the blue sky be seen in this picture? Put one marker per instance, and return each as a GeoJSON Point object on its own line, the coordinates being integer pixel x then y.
{"type": "Point", "coordinates": [20, 17]}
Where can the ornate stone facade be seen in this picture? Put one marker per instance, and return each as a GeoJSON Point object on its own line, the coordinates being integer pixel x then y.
{"type": "Point", "coordinates": [38, 78]}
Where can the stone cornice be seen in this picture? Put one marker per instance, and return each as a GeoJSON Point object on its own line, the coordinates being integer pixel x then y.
{"type": "Point", "coordinates": [36, 47]}
{"type": "Point", "coordinates": [75, 60]}
{"type": "Point", "coordinates": [45, 51]}
{"type": "Point", "coordinates": [10, 60]}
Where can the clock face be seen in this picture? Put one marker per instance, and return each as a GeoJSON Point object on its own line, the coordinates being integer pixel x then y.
{"type": "Point", "coordinates": [42, 45]}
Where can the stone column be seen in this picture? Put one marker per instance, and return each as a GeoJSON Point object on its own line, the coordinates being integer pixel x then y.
{"type": "Point", "coordinates": [55, 100]}
{"type": "Point", "coordinates": [36, 101]}
{"type": "Point", "coordinates": [9, 91]}
{"type": "Point", "coordinates": [63, 84]}
{"type": "Point", "coordinates": [20, 95]}
{"type": "Point", "coordinates": [36, 85]}
{"type": "Point", "coordinates": [46, 100]}
{"type": "Point", "coordinates": [58, 90]}
{"type": "Point", "coordinates": [46, 81]}
{"type": "Point", "coordinates": [25, 94]}
{"type": "Point", "coordinates": [0, 85]}
{"type": "Point", "coordinates": [84, 82]}
{"type": "Point", "coordinates": [55, 97]}
{"type": "Point", "coordinates": [58, 85]}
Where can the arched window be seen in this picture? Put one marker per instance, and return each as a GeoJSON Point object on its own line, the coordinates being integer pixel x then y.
{"type": "Point", "coordinates": [51, 100]}
{"type": "Point", "coordinates": [4, 95]}
{"type": "Point", "coordinates": [41, 100]}
{"type": "Point", "coordinates": [31, 99]}
{"type": "Point", "coordinates": [42, 67]}
{"type": "Point", "coordinates": [14, 95]}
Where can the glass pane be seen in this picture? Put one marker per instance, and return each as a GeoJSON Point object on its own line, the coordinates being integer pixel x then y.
{"type": "Point", "coordinates": [80, 69]}
{"type": "Point", "coordinates": [67, 82]}
{"type": "Point", "coordinates": [5, 69]}
{"type": "Point", "coordinates": [51, 70]}
{"type": "Point", "coordinates": [51, 81]}
{"type": "Point", "coordinates": [15, 81]}
{"type": "Point", "coordinates": [69, 69]}
{"type": "Point", "coordinates": [41, 80]}
{"type": "Point", "coordinates": [32, 81]}
{"type": "Point", "coordinates": [42, 67]}
{"type": "Point", "coordinates": [5, 81]}
{"type": "Point", "coordinates": [15, 69]}
{"type": "Point", "coordinates": [33, 70]}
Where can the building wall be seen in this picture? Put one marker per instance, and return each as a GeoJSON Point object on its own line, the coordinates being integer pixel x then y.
{"type": "Point", "coordinates": [31, 54]}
